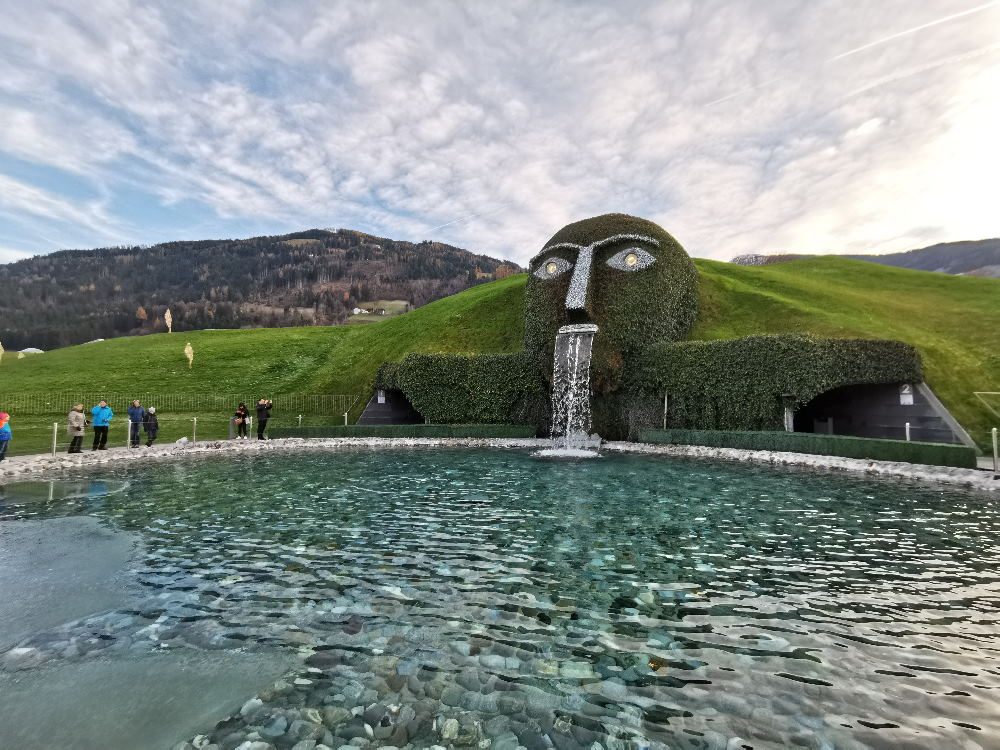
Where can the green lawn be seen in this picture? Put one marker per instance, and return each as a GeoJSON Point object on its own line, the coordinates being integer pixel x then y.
{"type": "Point", "coordinates": [253, 363]}
{"type": "Point", "coordinates": [953, 321]}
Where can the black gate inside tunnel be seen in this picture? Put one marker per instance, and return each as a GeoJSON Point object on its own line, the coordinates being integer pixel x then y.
{"type": "Point", "coordinates": [879, 411]}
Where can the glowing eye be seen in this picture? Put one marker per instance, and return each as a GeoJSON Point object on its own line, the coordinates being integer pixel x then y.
{"type": "Point", "coordinates": [632, 259]}
{"type": "Point", "coordinates": [552, 267]}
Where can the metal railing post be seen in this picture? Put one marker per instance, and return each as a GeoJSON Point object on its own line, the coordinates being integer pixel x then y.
{"type": "Point", "coordinates": [128, 433]}
{"type": "Point", "coordinates": [996, 457]}
{"type": "Point", "coordinates": [907, 432]}
{"type": "Point", "coordinates": [194, 429]}
{"type": "Point", "coordinates": [300, 420]}
{"type": "Point", "coordinates": [55, 437]}
{"type": "Point", "coordinates": [345, 418]}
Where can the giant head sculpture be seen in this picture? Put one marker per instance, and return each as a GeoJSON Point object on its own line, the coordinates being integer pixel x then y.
{"type": "Point", "coordinates": [620, 272]}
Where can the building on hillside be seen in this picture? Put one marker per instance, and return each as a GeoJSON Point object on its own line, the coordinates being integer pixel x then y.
{"type": "Point", "coordinates": [504, 270]}
{"type": "Point", "coordinates": [481, 274]}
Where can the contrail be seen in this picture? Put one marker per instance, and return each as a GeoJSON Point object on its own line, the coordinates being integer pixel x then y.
{"type": "Point", "coordinates": [923, 68]}
{"type": "Point", "coordinates": [897, 35]}
{"type": "Point", "coordinates": [856, 50]}
{"type": "Point", "coordinates": [449, 223]}
{"type": "Point", "coordinates": [466, 218]}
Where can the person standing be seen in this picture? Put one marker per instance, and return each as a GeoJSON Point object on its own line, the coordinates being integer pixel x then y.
{"type": "Point", "coordinates": [135, 419]}
{"type": "Point", "coordinates": [101, 418]}
{"type": "Point", "coordinates": [241, 417]}
{"type": "Point", "coordinates": [5, 434]}
{"type": "Point", "coordinates": [76, 422]}
{"type": "Point", "coordinates": [151, 425]}
{"type": "Point", "coordinates": [263, 414]}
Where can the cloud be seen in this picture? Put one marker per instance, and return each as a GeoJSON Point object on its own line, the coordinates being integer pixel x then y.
{"type": "Point", "coordinates": [740, 127]}
{"type": "Point", "coordinates": [9, 256]}
{"type": "Point", "coordinates": [18, 199]}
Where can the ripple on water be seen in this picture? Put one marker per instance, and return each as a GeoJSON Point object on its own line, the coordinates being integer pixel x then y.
{"type": "Point", "coordinates": [449, 597]}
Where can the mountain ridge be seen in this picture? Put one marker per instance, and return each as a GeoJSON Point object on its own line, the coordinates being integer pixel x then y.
{"type": "Point", "coordinates": [959, 258]}
{"type": "Point", "coordinates": [313, 277]}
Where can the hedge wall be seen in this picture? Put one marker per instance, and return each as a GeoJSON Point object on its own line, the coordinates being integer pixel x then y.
{"type": "Point", "coordinates": [738, 384]}
{"type": "Point", "coordinates": [934, 454]}
{"type": "Point", "coordinates": [407, 431]}
{"type": "Point", "coordinates": [484, 389]}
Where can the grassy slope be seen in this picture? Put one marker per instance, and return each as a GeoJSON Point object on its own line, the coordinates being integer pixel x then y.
{"type": "Point", "coordinates": [269, 361]}
{"type": "Point", "coordinates": [953, 321]}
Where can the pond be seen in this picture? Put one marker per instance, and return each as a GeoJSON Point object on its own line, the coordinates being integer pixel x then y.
{"type": "Point", "coordinates": [484, 599]}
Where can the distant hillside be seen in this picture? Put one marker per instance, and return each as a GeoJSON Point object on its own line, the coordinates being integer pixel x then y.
{"type": "Point", "coordinates": [970, 258]}
{"type": "Point", "coordinates": [315, 277]}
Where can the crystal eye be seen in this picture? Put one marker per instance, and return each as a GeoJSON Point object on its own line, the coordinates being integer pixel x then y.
{"type": "Point", "coordinates": [552, 267]}
{"type": "Point", "coordinates": [632, 259]}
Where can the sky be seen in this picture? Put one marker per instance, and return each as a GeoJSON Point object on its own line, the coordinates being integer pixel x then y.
{"type": "Point", "coordinates": [812, 126]}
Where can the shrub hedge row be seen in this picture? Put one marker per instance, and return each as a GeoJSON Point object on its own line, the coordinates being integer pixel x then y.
{"type": "Point", "coordinates": [407, 431]}
{"type": "Point", "coordinates": [712, 385]}
{"type": "Point", "coordinates": [934, 454]}
{"type": "Point", "coordinates": [739, 384]}
{"type": "Point", "coordinates": [484, 389]}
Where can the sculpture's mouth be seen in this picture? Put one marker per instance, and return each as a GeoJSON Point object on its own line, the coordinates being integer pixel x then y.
{"type": "Point", "coordinates": [577, 315]}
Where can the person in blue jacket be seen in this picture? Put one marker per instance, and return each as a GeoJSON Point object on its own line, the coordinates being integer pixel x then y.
{"type": "Point", "coordinates": [101, 418]}
{"type": "Point", "coordinates": [5, 434]}
{"type": "Point", "coordinates": [136, 416]}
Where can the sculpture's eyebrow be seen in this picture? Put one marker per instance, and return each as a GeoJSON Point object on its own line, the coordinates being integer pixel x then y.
{"type": "Point", "coordinates": [624, 237]}
{"type": "Point", "coordinates": [598, 244]}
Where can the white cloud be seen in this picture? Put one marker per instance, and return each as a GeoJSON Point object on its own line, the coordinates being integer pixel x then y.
{"type": "Point", "coordinates": [809, 126]}
{"type": "Point", "coordinates": [18, 198]}
{"type": "Point", "coordinates": [9, 256]}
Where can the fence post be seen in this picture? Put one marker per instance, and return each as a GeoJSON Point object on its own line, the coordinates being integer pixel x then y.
{"type": "Point", "coordinates": [300, 420]}
{"type": "Point", "coordinates": [996, 457]}
{"type": "Point", "coordinates": [128, 432]}
{"type": "Point", "coordinates": [345, 419]}
{"type": "Point", "coordinates": [194, 429]}
{"type": "Point", "coordinates": [55, 437]}
{"type": "Point", "coordinates": [907, 432]}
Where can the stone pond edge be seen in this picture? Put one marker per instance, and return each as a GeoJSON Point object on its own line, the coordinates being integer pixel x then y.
{"type": "Point", "coordinates": [21, 467]}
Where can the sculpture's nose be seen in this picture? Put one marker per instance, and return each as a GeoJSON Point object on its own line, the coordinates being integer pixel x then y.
{"type": "Point", "coordinates": [576, 296]}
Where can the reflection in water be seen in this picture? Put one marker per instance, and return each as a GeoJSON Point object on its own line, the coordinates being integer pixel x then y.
{"type": "Point", "coordinates": [462, 596]}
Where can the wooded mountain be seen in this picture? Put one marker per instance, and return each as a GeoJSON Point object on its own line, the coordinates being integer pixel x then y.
{"type": "Point", "coordinates": [967, 258]}
{"type": "Point", "coordinates": [307, 278]}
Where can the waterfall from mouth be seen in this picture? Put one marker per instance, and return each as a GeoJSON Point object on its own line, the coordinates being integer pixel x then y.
{"type": "Point", "coordinates": [571, 390]}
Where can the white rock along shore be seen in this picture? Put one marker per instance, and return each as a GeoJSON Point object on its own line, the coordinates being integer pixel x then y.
{"type": "Point", "coordinates": [16, 468]}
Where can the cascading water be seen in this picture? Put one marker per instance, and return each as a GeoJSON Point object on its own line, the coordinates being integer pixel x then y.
{"type": "Point", "coordinates": [571, 394]}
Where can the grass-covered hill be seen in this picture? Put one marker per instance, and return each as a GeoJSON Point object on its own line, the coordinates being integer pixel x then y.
{"type": "Point", "coordinates": [966, 258]}
{"type": "Point", "coordinates": [953, 321]}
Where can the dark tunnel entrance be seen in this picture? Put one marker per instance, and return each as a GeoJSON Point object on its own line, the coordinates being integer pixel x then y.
{"type": "Point", "coordinates": [878, 411]}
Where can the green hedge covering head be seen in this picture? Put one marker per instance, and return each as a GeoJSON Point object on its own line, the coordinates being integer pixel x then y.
{"type": "Point", "coordinates": [623, 273]}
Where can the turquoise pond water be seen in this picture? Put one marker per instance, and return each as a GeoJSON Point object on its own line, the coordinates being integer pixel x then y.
{"type": "Point", "coordinates": [486, 599]}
